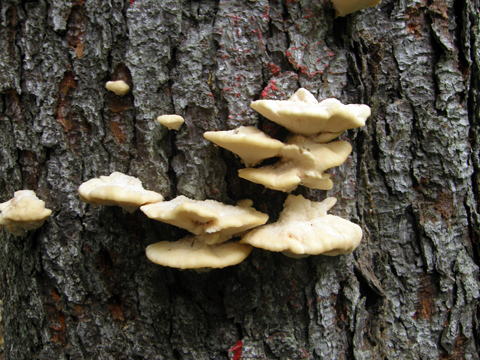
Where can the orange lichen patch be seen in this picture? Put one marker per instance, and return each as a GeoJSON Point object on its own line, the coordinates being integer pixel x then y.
{"type": "Point", "coordinates": [444, 205]}
{"type": "Point", "coordinates": [56, 295]}
{"type": "Point", "coordinates": [57, 323]}
{"type": "Point", "coordinates": [57, 327]}
{"type": "Point", "coordinates": [424, 305]}
{"type": "Point", "coordinates": [118, 131]}
{"type": "Point", "coordinates": [458, 351]}
{"type": "Point", "coordinates": [414, 20]}
{"type": "Point", "coordinates": [77, 310]}
{"type": "Point", "coordinates": [79, 49]}
{"type": "Point", "coordinates": [64, 114]}
{"type": "Point", "coordinates": [56, 318]}
{"type": "Point", "coordinates": [76, 28]}
{"type": "Point", "coordinates": [72, 123]}
{"type": "Point", "coordinates": [434, 206]}
{"type": "Point", "coordinates": [414, 29]}
{"type": "Point", "coordinates": [116, 309]}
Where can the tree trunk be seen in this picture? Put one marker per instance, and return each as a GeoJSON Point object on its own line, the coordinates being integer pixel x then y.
{"type": "Point", "coordinates": [80, 287]}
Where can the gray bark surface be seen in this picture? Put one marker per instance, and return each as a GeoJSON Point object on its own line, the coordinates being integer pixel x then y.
{"type": "Point", "coordinates": [80, 287]}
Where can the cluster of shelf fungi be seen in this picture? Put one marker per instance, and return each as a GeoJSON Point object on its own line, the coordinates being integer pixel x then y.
{"type": "Point", "coordinates": [303, 228]}
{"type": "Point", "coordinates": [221, 234]}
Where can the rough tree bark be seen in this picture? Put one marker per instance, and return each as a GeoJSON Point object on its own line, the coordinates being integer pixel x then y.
{"type": "Point", "coordinates": [80, 287]}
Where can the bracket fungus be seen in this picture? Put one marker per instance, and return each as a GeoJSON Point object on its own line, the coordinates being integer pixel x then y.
{"type": "Point", "coordinates": [117, 189]}
{"type": "Point", "coordinates": [303, 162]}
{"type": "Point", "coordinates": [23, 213]}
{"type": "Point", "coordinates": [249, 143]}
{"type": "Point", "coordinates": [172, 122]}
{"type": "Point", "coordinates": [302, 114]}
{"type": "Point", "coordinates": [119, 87]}
{"type": "Point", "coordinates": [212, 221]}
{"type": "Point", "coordinates": [304, 228]}
{"type": "Point", "coordinates": [345, 7]}
{"type": "Point", "coordinates": [192, 253]}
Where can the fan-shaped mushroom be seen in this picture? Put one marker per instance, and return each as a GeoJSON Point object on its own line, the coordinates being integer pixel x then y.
{"type": "Point", "coordinates": [117, 189]}
{"type": "Point", "coordinates": [23, 213]}
{"type": "Point", "coordinates": [305, 228]}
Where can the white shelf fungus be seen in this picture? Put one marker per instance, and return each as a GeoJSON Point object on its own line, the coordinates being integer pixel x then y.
{"type": "Point", "coordinates": [325, 137]}
{"type": "Point", "coordinates": [303, 163]}
{"type": "Point", "coordinates": [305, 228]}
{"type": "Point", "coordinates": [117, 189]}
{"type": "Point", "coordinates": [119, 87]}
{"type": "Point", "coordinates": [172, 122]}
{"type": "Point", "coordinates": [23, 213]}
{"type": "Point", "coordinates": [191, 253]}
{"type": "Point", "coordinates": [303, 114]}
{"type": "Point", "coordinates": [210, 220]}
{"type": "Point", "coordinates": [249, 143]}
{"type": "Point", "coordinates": [345, 7]}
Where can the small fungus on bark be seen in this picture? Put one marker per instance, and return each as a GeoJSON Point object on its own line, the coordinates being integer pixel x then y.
{"type": "Point", "coordinates": [119, 87]}
{"type": "Point", "coordinates": [117, 189]}
{"type": "Point", "coordinates": [23, 213]}
{"type": "Point", "coordinates": [302, 162]}
{"type": "Point", "coordinates": [172, 122]}
{"type": "Point", "coordinates": [249, 143]}
{"type": "Point", "coordinates": [212, 221]}
{"type": "Point", "coordinates": [192, 253]}
{"type": "Point", "coordinates": [304, 228]}
{"type": "Point", "coordinates": [303, 114]}
{"type": "Point", "coordinates": [345, 7]}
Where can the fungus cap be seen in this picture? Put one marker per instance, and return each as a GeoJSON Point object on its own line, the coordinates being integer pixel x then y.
{"type": "Point", "coordinates": [303, 114]}
{"type": "Point", "coordinates": [248, 142]}
{"type": "Point", "coordinates": [207, 217]}
{"type": "Point", "coordinates": [23, 213]}
{"type": "Point", "coordinates": [191, 253]}
{"type": "Point", "coordinates": [345, 7]}
{"type": "Point", "coordinates": [325, 137]}
{"type": "Point", "coordinates": [303, 163]}
{"type": "Point", "coordinates": [324, 156]}
{"type": "Point", "coordinates": [117, 189]}
{"type": "Point", "coordinates": [282, 176]}
{"type": "Point", "coordinates": [343, 117]}
{"type": "Point", "coordinates": [172, 122]}
{"type": "Point", "coordinates": [304, 227]}
{"type": "Point", "coordinates": [119, 87]}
